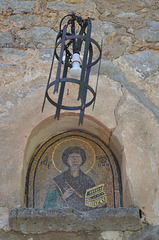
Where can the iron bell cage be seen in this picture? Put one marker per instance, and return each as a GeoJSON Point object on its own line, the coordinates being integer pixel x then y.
{"type": "Point", "coordinates": [73, 39]}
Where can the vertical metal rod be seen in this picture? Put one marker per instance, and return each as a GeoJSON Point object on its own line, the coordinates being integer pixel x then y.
{"type": "Point", "coordinates": [84, 63]}
{"type": "Point", "coordinates": [85, 89]}
{"type": "Point", "coordinates": [57, 115]}
{"type": "Point", "coordinates": [52, 63]}
{"type": "Point", "coordinates": [79, 41]}
{"type": "Point", "coordinates": [60, 59]}
{"type": "Point", "coordinates": [98, 73]}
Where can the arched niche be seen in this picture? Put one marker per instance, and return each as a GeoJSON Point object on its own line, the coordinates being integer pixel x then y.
{"type": "Point", "coordinates": [48, 137]}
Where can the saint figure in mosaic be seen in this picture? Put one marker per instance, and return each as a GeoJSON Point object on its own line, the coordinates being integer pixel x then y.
{"type": "Point", "coordinates": [82, 171]}
{"type": "Point", "coordinates": [69, 188]}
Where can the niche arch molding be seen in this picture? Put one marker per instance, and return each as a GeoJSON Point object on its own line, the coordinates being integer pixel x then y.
{"type": "Point", "coordinates": [51, 127]}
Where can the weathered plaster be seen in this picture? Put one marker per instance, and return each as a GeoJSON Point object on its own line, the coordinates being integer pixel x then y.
{"type": "Point", "coordinates": [126, 107]}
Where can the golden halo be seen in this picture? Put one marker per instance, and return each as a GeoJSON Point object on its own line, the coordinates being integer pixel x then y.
{"type": "Point", "coordinates": [73, 142]}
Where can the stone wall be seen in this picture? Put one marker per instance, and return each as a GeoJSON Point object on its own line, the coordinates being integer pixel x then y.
{"type": "Point", "coordinates": [127, 102]}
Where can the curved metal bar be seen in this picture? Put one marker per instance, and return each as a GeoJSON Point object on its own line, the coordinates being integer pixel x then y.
{"type": "Point", "coordinates": [74, 17]}
{"type": "Point", "coordinates": [68, 15]}
{"type": "Point", "coordinates": [65, 47]}
{"type": "Point", "coordinates": [69, 107]}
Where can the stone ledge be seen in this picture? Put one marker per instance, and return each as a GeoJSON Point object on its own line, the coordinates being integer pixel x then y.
{"type": "Point", "coordinates": [28, 220]}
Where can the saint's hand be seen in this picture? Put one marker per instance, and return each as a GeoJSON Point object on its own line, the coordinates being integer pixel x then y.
{"type": "Point", "coordinates": [67, 193]}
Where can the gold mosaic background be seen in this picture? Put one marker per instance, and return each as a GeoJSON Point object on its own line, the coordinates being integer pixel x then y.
{"type": "Point", "coordinates": [46, 164]}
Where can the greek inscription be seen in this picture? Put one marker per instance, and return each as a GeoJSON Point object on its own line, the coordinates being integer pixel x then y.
{"type": "Point", "coordinates": [46, 162]}
{"type": "Point", "coordinates": [102, 162]}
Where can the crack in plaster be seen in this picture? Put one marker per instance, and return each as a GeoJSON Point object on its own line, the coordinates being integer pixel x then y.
{"type": "Point", "coordinates": [119, 104]}
{"type": "Point", "coordinates": [116, 114]}
{"type": "Point", "coordinates": [117, 107]}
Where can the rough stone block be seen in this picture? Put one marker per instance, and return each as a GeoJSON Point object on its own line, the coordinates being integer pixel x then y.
{"type": "Point", "coordinates": [110, 235]}
{"type": "Point", "coordinates": [43, 35]}
{"type": "Point", "coordinates": [127, 15]}
{"type": "Point", "coordinates": [148, 34]}
{"type": "Point", "coordinates": [4, 6]}
{"type": "Point", "coordinates": [84, 7]}
{"type": "Point", "coordinates": [4, 221]}
{"type": "Point", "coordinates": [145, 62]}
{"type": "Point", "coordinates": [5, 38]}
{"type": "Point", "coordinates": [24, 21]}
{"type": "Point", "coordinates": [148, 233]}
{"type": "Point", "coordinates": [23, 6]}
{"type": "Point", "coordinates": [50, 236]}
{"type": "Point", "coordinates": [70, 220]}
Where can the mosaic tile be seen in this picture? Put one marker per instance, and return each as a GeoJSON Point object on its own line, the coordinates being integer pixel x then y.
{"type": "Point", "coordinates": [73, 169]}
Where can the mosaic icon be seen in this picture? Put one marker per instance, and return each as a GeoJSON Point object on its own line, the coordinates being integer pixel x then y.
{"type": "Point", "coordinates": [73, 169]}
